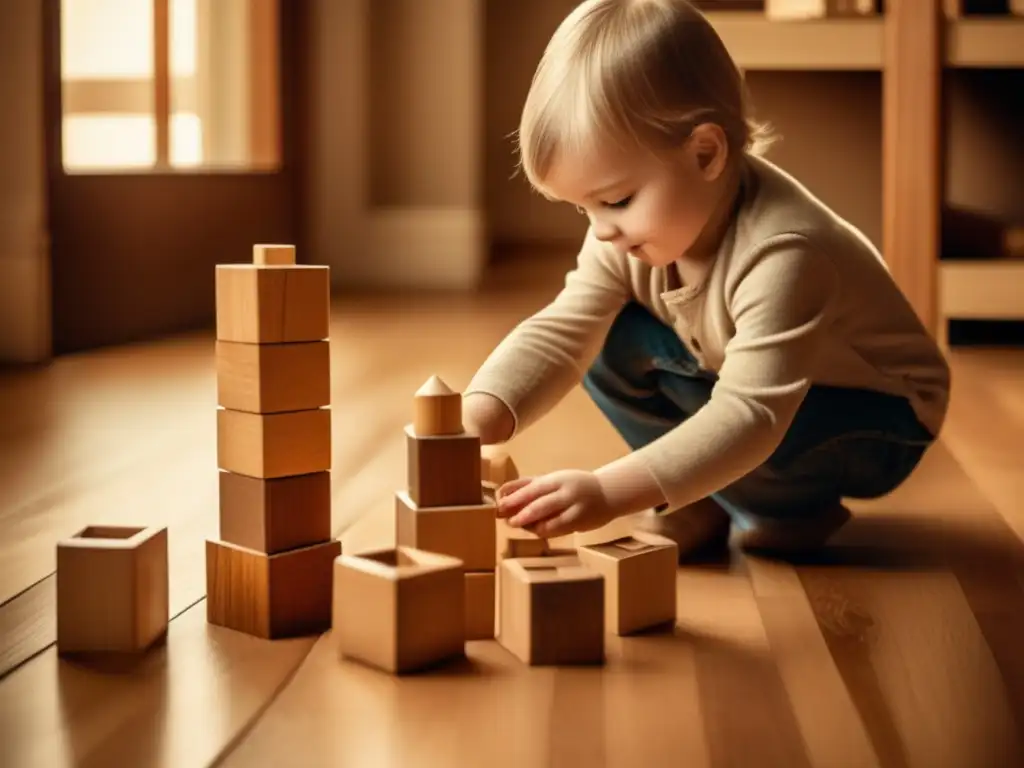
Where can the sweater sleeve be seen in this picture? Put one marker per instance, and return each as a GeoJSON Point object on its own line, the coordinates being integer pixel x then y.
{"type": "Point", "coordinates": [547, 354]}
{"type": "Point", "coordinates": [780, 305]}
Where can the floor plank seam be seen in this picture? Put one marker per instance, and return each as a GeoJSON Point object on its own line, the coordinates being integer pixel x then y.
{"type": "Point", "coordinates": [8, 672]}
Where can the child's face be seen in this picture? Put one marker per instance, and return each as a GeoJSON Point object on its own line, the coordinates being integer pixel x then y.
{"type": "Point", "coordinates": [649, 208]}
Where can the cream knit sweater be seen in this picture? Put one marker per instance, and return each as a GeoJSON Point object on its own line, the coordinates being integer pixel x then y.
{"type": "Point", "coordinates": [794, 296]}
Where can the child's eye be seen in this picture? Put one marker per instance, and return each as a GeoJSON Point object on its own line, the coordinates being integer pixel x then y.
{"type": "Point", "coordinates": [621, 203]}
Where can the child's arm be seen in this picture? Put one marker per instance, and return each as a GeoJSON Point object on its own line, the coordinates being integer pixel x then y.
{"type": "Point", "coordinates": [546, 355]}
{"type": "Point", "coordinates": [779, 303]}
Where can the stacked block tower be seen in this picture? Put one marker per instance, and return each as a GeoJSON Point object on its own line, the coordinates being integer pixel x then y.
{"type": "Point", "coordinates": [444, 510]}
{"type": "Point", "coordinates": [269, 573]}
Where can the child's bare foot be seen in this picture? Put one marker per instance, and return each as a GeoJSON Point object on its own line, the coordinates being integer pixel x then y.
{"type": "Point", "coordinates": [698, 529]}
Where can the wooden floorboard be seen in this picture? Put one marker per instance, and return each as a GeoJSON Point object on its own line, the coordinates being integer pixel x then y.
{"type": "Point", "coordinates": [899, 645]}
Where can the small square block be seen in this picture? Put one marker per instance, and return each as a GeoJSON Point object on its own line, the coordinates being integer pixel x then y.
{"type": "Point", "coordinates": [275, 515]}
{"type": "Point", "coordinates": [258, 304]}
{"type": "Point", "coordinates": [480, 605]}
{"type": "Point", "coordinates": [640, 580]}
{"type": "Point", "coordinates": [444, 471]}
{"type": "Point", "coordinates": [400, 610]}
{"type": "Point", "coordinates": [552, 611]}
{"type": "Point", "coordinates": [273, 255]}
{"type": "Point", "coordinates": [270, 596]}
{"type": "Point", "coordinates": [273, 378]}
{"type": "Point", "coordinates": [466, 532]}
{"type": "Point", "coordinates": [518, 542]}
{"type": "Point", "coordinates": [112, 589]}
{"type": "Point", "coordinates": [274, 445]}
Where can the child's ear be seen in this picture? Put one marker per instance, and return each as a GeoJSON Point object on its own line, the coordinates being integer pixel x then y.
{"type": "Point", "coordinates": [710, 150]}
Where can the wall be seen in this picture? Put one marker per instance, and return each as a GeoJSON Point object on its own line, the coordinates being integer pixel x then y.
{"type": "Point", "coordinates": [396, 150]}
{"type": "Point", "coordinates": [24, 251]}
{"type": "Point", "coordinates": [392, 148]}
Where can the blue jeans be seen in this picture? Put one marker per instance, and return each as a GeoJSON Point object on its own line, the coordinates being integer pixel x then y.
{"type": "Point", "coordinates": [850, 443]}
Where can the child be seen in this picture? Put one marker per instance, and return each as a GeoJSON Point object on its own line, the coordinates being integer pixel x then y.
{"type": "Point", "coordinates": [747, 343]}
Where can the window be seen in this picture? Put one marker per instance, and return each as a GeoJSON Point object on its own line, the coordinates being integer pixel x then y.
{"type": "Point", "coordinates": [163, 85]}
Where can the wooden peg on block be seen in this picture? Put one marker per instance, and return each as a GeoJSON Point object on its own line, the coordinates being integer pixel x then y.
{"type": "Point", "coordinates": [270, 596]}
{"type": "Point", "coordinates": [552, 611]}
{"type": "Point", "coordinates": [112, 589]}
{"type": "Point", "coordinates": [399, 610]}
{"type": "Point", "coordinates": [273, 255]}
{"type": "Point", "coordinates": [437, 409]}
{"type": "Point", "coordinates": [640, 580]}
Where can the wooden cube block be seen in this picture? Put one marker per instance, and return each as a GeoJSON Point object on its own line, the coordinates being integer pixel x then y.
{"type": "Point", "coordinates": [274, 445]}
{"type": "Point", "coordinates": [552, 611]}
{"type": "Point", "coordinates": [259, 304]}
{"type": "Point", "coordinates": [640, 580]}
{"type": "Point", "coordinates": [273, 378]}
{"type": "Point", "coordinates": [480, 605]}
{"type": "Point", "coordinates": [444, 471]}
{"type": "Point", "coordinates": [466, 532]}
{"type": "Point", "coordinates": [270, 596]}
{"type": "Point", "coordinates": [518, 542]}
{"type": "Point", "coordinates": [497, 468]}
{"type": "Point", "coordinates": [275, 515]}
{"type": "Point", "coordinates": [273, 255]}
{"type": "Point", "coordinates": [112, 589]}
{"type": "Point", "coordinates": [400, 610]}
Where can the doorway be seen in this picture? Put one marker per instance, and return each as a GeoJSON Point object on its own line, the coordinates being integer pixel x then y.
{"type": "Point", "coordinates": [170, 149]}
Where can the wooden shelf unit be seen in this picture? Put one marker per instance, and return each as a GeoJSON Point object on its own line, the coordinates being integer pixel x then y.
{"type": "Point", "coordinates": [985, 42]}
{"type": "Point", "coordinates": [756, 42]}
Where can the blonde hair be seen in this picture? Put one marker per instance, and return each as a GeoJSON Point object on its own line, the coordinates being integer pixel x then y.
{"type": "Point", "coordinates": [639, 73]}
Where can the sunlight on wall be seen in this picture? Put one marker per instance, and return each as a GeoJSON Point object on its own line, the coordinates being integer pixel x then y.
{"type": "Point", "coordinates": [111, 43]}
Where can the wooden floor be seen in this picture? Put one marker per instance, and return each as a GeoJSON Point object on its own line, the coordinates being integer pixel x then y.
{"type": "Point", "coordinates": [900, 646]}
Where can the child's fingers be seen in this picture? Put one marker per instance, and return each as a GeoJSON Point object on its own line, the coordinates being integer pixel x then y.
{"type": "Point", "coordinates": [538, 510]}
{"type": "Point", "coordinates": [533, 489]}
{"type": "Point", "coordinates": [511, 487]}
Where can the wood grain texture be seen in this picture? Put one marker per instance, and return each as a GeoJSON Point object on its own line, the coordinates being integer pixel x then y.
{"type": "Point", "coordinates": [904, 633]}
{"type": "Point", "coordinates": [911, 158]}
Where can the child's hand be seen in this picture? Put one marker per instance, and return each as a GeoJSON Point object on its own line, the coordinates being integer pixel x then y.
{"type": "Point", "coordinates": [555, 504]}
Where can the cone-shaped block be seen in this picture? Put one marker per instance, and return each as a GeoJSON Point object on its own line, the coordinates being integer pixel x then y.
{"type": "Point", "coordinates": [437, 409]}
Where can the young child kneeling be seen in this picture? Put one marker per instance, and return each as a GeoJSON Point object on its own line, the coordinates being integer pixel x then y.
{"type": "Point", "coordinates": [748, 344]}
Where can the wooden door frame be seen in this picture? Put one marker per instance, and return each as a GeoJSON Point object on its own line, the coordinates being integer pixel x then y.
{"type": "Point", "coordinates": [192, 307]}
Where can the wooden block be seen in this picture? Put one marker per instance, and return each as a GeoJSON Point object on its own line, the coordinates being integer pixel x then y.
{"type": "Point", "coordinates": [273, 255]}
{"type": "Point", "coordinates": [497, 468]}
{"type": "Point", "coordinates": [444, 471]}
{"type": "Point", "coordinates": [552, 611]}
{"type": "Point", "coordinates": [274, 445]}
{"type": "Point", "coordinates": [480, 605]}
{"type": "Point", "coordinates": [270, 596]}
{"type": "Point", "coordinates": [273, 378]}
{"type": "Point", "coordinates": [275, 515]}
{"type": "Point", "coordinates": [112, 589]}
{"type": "Point", "coordinates": [463, 531]}
{"type": "Point", "coordinates": [437, 410]}
{"type": "Point", "coordinates": [400, 610]}
{"type": "Point", "coordinates": [272, 305]}
{"type": "Point", "coordinates": [517, 542]}
{"type": "Point", "coordinates": [640, 580]}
